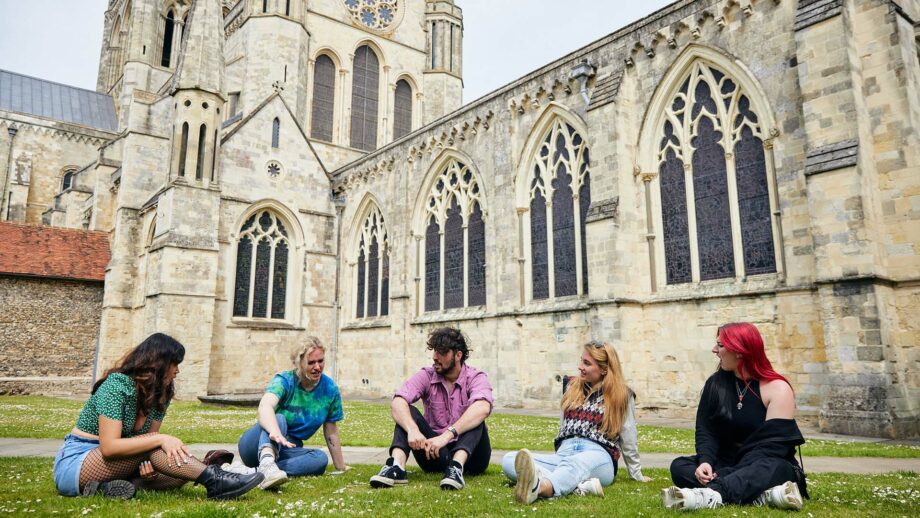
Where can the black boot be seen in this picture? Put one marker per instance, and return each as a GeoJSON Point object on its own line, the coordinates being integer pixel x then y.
{"type": "Point", "coordinates": [223, 485]}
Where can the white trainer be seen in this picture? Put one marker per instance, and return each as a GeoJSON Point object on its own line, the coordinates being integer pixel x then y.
{"type": "Point", "coordinates": [688, 499]}
{"type": "Point", "coordinates": [783, 496]}
{"type": "Point", "coordinates": [590, 487]}
{"type": "Point", "coordinates": [238, 468]}
{"type": "Point", "coordinates": [274, 476]}
{"type": "Point", "coordinates": [527, 489]}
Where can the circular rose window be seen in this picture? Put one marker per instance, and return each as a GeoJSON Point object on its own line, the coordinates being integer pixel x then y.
{"type": "Point", "coordinates": [378, 15]}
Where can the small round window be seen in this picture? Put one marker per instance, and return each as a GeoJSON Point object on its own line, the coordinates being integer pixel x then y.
{"type": "Point", "coordinates": [378, 15]}
{"type": "Point", "coordinates": [274, 169]}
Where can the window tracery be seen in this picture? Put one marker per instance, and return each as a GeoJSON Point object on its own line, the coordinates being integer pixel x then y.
{"type": "Point", "coordinates": [373, 268]}
{"type": "Point", "coordinates": [455, 243]}
{"type": "Point", "coordinates": [378, 15]}
{"type": "Point", "coordinates": [261, 267]}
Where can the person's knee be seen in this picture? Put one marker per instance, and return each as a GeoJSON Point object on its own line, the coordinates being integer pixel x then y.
{"type": "Point", "coordinates": [508, 465]}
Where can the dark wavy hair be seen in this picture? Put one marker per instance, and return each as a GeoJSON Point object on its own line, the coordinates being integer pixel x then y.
{"type": "Point", "coordinates": [444, 339]}
{"type": "Point", "coordinates": [147, 364]}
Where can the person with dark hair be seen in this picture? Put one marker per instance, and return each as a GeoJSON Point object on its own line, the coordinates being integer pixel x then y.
{"type": "Point", "coordinates": [295, 405]}
{"type": "Point", "coordinates": [452, 436]}
{"type": "Point", "coordinates": [746, 433]}
{"type": "Point", "coordinates": [598, 425]}
{"type": "Point", "coordinates": [117, 436]}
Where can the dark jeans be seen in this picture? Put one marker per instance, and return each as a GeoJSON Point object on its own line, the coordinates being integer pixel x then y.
{"type": "Point", "coordinates": [740, 483]}
{"type": "Point", "coordinates": [475, 443]}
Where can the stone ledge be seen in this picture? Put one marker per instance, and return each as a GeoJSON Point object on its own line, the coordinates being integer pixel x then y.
{"type": "Point", "coordinates": [831, 157]}
{"type": "Point", "coordinates": [603, 209]}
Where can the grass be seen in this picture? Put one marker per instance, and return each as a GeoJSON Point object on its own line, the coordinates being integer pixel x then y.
{"type": "Point", "coordinates": [369, 424]}
{"type": "Point", "coordinates": [27, 489]}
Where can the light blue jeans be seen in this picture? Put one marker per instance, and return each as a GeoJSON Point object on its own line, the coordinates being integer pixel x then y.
{"type": "Point", "coordinates": [575, 461]}
{"type": "Point", "coordinates": [295, 462]}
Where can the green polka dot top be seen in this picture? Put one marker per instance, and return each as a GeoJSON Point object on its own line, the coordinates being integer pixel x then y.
{"type": "Point", "coordinates": [116, 399]}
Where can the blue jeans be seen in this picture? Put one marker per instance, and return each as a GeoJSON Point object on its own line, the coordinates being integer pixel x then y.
{"type": "Point", "coordinates": [575, 461]}
{"type": "Point", "coordinates": [293, 461]}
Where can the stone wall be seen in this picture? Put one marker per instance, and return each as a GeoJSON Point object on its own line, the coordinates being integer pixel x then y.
{"type": "Point", "coordinates": [48, 331]}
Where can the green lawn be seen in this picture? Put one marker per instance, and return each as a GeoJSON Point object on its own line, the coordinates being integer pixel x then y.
{"type": "Point", "coordinates": [369, 424]}
{"type": "Point", "coordinates": [28, 490]}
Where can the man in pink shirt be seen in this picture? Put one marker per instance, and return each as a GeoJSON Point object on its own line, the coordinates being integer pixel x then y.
{"type": "Point", "coordinates": [452, 436]}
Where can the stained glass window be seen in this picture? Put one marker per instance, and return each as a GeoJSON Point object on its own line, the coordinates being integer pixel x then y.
{"type": "Point", "coordinates": [323, 108]}
{"type": "Point", "coordinates": [476, 272]}
{"type": "Point", "coordinates": [560, 170]}
{"type": "Point", "coordinates": [261, 271]}
{"type": "Point", "coordinates": [373, 14]}
{"type": "Point", "coordinates": [364, 99]}
{"type": "Point", "coordinates": [402, 109]}
{"type": "Point", "coordinates": [453, 257]}
{"type": "Point", "coordinates": [709, 117]}
{"type": "Point", "coordinates": [454, 208]}
{"type": "Point", "coordinates": [373, 272]}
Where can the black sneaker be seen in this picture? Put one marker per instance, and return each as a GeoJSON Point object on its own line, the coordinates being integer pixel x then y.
{"type": "Point", "coordinates": [453, 477]}
{"type": "Point", "coordinates": [120, 489]}
{"type": "Point", "coordinates": [389, 476]}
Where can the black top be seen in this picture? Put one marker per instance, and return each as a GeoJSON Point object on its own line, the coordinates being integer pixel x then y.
{"type": "Point", "coordinates": [721, 427]}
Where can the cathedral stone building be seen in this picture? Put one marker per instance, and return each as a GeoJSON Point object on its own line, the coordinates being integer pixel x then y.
{"type": "Point", "coordinates": [269, 169]}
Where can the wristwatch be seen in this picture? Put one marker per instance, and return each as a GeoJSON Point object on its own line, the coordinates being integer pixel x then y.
{"type": "Point", "coordinates": [453, 431]}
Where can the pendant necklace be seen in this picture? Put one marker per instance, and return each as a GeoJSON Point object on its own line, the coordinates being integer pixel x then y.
{"type": "Point", "coordinates": [741, 393]}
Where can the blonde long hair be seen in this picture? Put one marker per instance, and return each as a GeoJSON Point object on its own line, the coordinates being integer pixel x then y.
{"type": "Point", "coordinates": [613, 387]}
{"type": "Point", "coordinates": [310, 344]}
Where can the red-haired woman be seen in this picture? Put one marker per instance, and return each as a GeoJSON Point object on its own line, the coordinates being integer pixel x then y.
{"type": "Point", "coordinates": [117, 436]}
{"type": "Point", "coordinates": [745, 433]}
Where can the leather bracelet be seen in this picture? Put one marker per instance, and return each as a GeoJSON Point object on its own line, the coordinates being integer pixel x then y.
{"type": "Point", "coordinates": [453, 431]}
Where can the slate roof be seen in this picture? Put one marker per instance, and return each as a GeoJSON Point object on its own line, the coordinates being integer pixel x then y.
{"type": "Point", "coordinates": [50, 100]}
{"type": "Point", "coordinates": [39, 251]}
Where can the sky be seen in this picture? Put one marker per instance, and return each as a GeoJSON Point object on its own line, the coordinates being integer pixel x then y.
{"type": "Point", "coordinates": [503, 40]}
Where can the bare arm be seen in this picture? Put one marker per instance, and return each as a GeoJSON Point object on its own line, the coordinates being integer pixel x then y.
{"type": "Point", "coordinates": [269, 422]}
{"type": "Point", "coordinates": [113, 446]}
{"type": "Point", "coordinates": [399, 409]}
{"type": "Point", "coordinates": [331, 433]}
{"type": "Point", "coordinates": [779, 399]}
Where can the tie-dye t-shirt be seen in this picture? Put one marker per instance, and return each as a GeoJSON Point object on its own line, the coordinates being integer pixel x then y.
{"type": "Point", "coordinates": [306, 411]}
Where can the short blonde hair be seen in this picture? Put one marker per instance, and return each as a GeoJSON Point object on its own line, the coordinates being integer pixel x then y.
{"type": "Point", "coordinates": [309, 345]}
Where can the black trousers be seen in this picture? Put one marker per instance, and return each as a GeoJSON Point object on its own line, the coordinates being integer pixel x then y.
{"type": "Point", "coordinates": [740, 483]}
{"type": "Point", "coordinates": [474, 442]}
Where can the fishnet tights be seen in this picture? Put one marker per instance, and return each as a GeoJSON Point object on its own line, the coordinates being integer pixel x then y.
{"type": "Point", "coordinates": [96, 467]}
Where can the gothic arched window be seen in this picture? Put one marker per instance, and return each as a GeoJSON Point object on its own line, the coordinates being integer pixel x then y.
{"type": "Point", "coordinates": [711, 158]}
{"type": "Point", "coordinates": [560, 194]}
{"type": "Point", "coordinates": [402, 109]}
{"type": "Point", "coordinates": [202, 137]}
{"type": "Point", "coordinates": [455, 241]}
{"type": "Point", "coordinates": [276, 132]}
{"type": "Point", "coordinates": [183, 149]}
{"type": "Point", "coordinates": [67, 179]}
{"type": "Point", "coordinates": [168, 30]}
{"type": "Point", "coordinates": [364, 99]}
{"type": "Point", "coordinates": [323, 99]}
{"type": "Point", "coordinates": [261, 267]}
{"type": "Point", "coordinates": [373, 268]}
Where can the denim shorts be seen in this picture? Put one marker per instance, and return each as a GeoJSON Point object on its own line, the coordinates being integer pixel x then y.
{"type": "Point", "coordinates": [68, 461]}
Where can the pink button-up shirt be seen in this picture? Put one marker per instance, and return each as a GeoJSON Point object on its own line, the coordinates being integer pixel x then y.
{"type": "Point", "coordinates": [443, 409]}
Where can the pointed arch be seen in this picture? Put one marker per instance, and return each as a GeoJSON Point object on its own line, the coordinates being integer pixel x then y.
{"type": "Point", "coordinates": [449, 222]}
{"type": "Point", "coordinates": [322, 108]}
{"type": "Point", "coordinates": [365, 96]}
{"type": "Point", "coordinates": [369, 258]}
{"type": "Point", "coordinates": [708, 135]}
{"type": "Point", "coordinates": [553, 194]}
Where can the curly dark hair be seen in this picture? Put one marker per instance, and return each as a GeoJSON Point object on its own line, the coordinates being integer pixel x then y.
{"type": "Point", "coordinates": [445, 339]}
{"type": "Point", "coordinates": [147, 364]}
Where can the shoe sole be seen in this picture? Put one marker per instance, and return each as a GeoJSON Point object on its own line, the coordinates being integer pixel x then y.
{"type": "Point", "coordinates": [792, 497]}
{"type": "Point", "coordinates": [672, 498]}
{"type": "Point", "coordinates": [598, 489]}
{"type": "Point", "coordinates": [118, 489]}
{"type": "Point", "coordinates": [451, 484]}
{"type": "Point", "coordinates": [273, 483]}
{"type": "Point", "coordinates": [242, 490]}
{"type": "Point", "coordinates": [523, 466]}
{"type": "Point", "coordinates": [378, 482]}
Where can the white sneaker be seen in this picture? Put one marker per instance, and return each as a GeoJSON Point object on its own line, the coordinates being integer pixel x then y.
{"type": "Point", "coordinates": [527, 489]}
{"type": "Point", "coordinates": [783, 496]}
{"type": "Point", "coordinates": [238, 468]}
{"type": "Point", "coordinates": [274, 476]}
{"type": "Point", "coordinates": [589, 487]}
{"type": "Point", "coordinates": [688, 499]}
